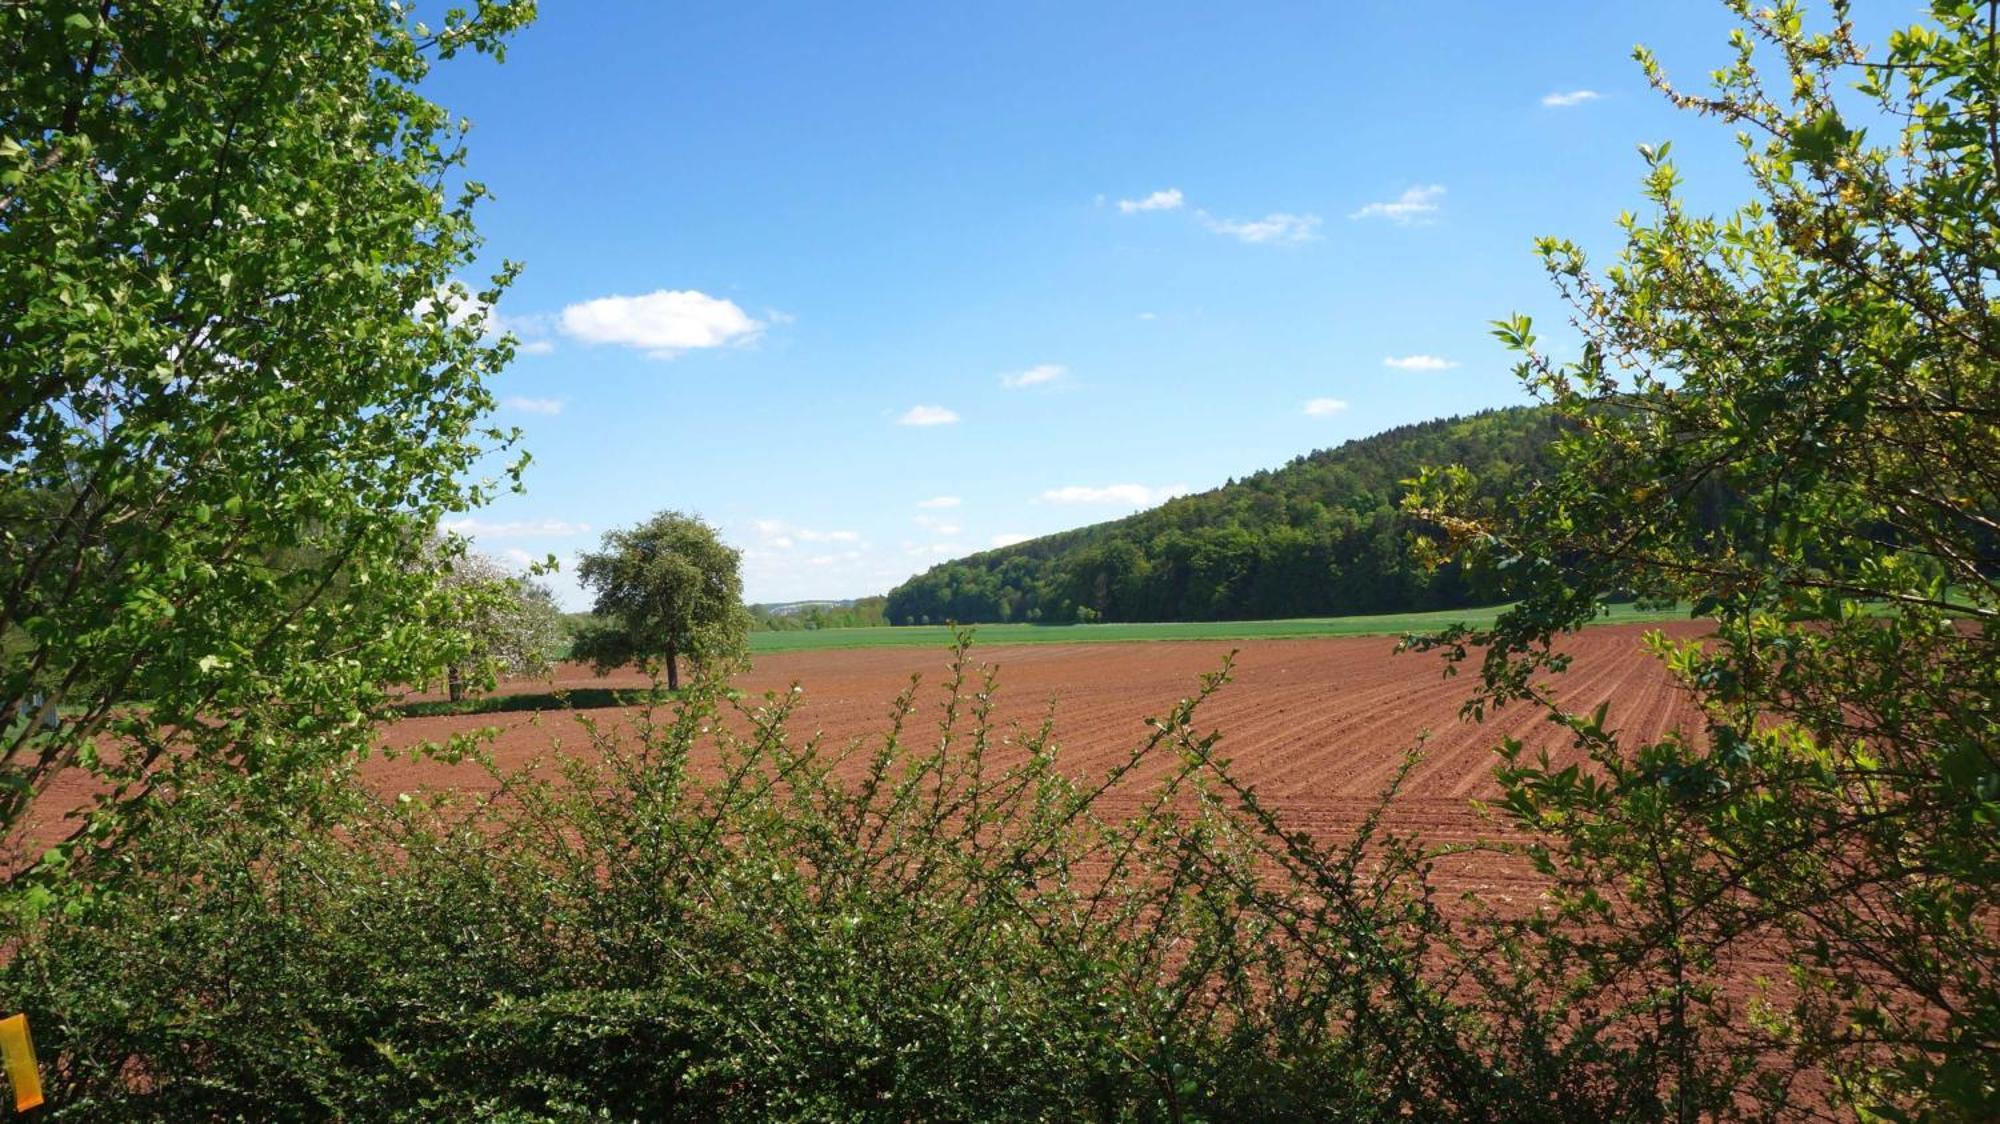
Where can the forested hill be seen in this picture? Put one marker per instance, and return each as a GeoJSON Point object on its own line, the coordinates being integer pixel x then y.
{"type": "Point", "coordinates": [1322, 536]}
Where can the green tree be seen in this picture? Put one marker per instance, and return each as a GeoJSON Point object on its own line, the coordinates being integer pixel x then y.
{"type": "Point", "coordinates": [667, 589]}
{"type": "Point", "coordinates": [1825, 361]}
{"type": "Point", "coordinates": [237, 377]}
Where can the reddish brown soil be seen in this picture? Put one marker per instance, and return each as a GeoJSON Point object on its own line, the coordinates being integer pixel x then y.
{"type": "Point", "coordinates": [1317, 726]}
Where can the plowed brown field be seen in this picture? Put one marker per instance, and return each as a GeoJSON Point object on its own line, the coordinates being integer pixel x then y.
{"type": "Point", "coordinates": [1318, 726]}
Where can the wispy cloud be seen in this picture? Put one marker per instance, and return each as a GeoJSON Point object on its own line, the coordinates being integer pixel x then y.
{"type": "Point", "coordinates": [1130, 495]}
{"type": "Point", "coordinates": [1563, 100]}
{"type": "Point", "coordinates": [1322, 407]}
{"type": "Point", "coordinates": [1415, 206]}
{"type": "Point", "coordinates": [940, 502]}
{"type": "Point", "coordinates": [779, 535]}
{"type": "Point", "coordinates": [531, 331]}
{"type": "Point", "coordinates": [774, 534]}
{"type": "Point", "coordinates": [549, 406]}
{"type": "Point", "coordinates": [1278, 227]}
{"type": "Point", "coordinates": [1419, 362]}
{"type": "Point", "coordinates": [1165, 200]}
{"type": "Point", "coordinates": [928, 415]}
{"type": "Point", "coordinates": [517, 529]}
{"type": "Point", "coordinates": [1039, 375]}
{"type": "Point", "coordinates": [662, 323]}
{"type": "Point", "coordinates": [783, 562]}
{"type": "Point", "coordinates": [941, 526]}
{"type": "Point", "coordinates": [1008, 540]}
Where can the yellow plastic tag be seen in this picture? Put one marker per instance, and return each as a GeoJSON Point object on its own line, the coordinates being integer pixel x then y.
{"type": "Point", "coordinates": [17, 1052]}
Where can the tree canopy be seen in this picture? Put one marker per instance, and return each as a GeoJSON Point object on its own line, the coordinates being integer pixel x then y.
{"type": "Point", "coordinates": [1828, 356]}
{"type": "Point", "coordinates": [238, 376]}
{"type": "Point", "coordinates": [666, 590]}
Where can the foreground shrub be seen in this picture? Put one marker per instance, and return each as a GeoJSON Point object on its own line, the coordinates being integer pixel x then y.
{"type": "Point", "coordinates": [1788, 417]}
{"type": "Point", "coordinates": [706, 917]}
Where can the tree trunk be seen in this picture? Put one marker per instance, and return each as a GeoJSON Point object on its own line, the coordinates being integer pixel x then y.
{"type": "Point", "coordinates": [673, 669]}
{"type": "Point", "coordinates": [454, 684]}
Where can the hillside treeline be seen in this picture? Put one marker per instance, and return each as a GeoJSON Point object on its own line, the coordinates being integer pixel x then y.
{"type": "Point", "coordinates": [1321, 536]}
{"type": "Point", "coordinates": [808, 616]}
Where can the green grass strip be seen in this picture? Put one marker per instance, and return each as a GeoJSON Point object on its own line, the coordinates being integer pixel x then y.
{"type": "Point", "coordinates": [992, 635]}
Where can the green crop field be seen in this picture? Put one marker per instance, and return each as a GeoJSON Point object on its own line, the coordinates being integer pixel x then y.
{"type": "Point", "coordinates": [1392, 624]}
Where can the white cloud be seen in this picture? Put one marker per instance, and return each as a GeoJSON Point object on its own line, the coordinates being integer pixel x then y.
{"type": "Point", "coordinates": [1130, 495]}
{"type": "Point", "coordinates": [927, 415]}
{"type": "Point", "coordinates": [1419, 363]}
{"type": "Point", "coordinates": [1038, 375]}
{"type": "Point", "coordinates": [941, 526]}
{"type": "Point", "coordinates": [662, 323]}
{"type": "Point", "coordinates": [1168, 200]}
{"type": "Point", "coordinates": [1276, 227]}
{"type": "Point", "coordinates": [535, 405]}
{"type": "Point", "coordinates": [779, 535]}
{"type": "Point", "coordinates": [520, 559]}
{"type": "Point", "coordinates": [939, 502]}
{"type": "Point", "coordinates": [1321, 407]}
{"type": "Point", "coordinates": [1413, 207]}
{"type": "Point", "coordinates": [1009, 540]}
{"type": "Point", "coordinates": [773, 534]}
{"type": "Point", "coordinates": [518, 529]}
{"type": "Point", "coordinates": [530, 331]}
{"type": "Point", "coordinates": [785, 575]}
{"type": "Point", "coordinates": [1572, 97]}
{"type": "Point", "coordinates": [1149, 316]}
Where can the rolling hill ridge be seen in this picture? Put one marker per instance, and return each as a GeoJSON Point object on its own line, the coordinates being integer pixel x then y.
{"type": "Point", "coordinates": [1321, 536]}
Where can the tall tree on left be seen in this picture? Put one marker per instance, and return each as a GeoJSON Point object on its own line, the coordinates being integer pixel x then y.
{"type": "Point", "coordinates": [239, 384]}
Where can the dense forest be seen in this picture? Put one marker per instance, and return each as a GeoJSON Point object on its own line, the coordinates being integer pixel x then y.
{"type": "Point", "coordinates": [1323, 536]}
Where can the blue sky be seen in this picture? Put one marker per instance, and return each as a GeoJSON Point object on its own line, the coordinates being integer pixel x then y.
{"type": "Point", "coordinates": [763, 242]}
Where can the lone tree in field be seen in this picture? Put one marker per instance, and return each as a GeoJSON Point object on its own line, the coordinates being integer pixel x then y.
{"type": "Point", "coordinates": [667, 589]}
{"type": "Point", "coordinates": [1822, 368]}
{"type": "Point", "coordinates": [239, 379]}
